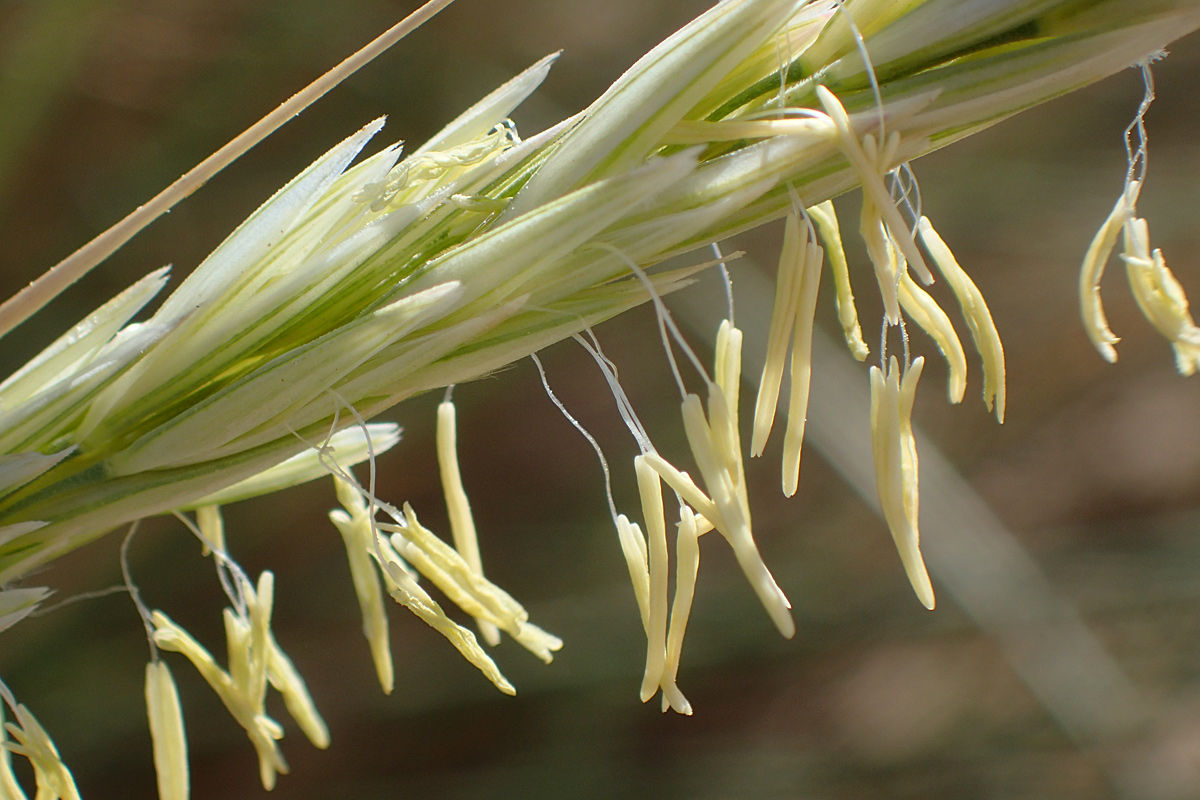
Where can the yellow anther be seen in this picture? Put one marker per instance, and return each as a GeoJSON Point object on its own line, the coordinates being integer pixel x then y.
{"type": "Point", "coordinates": [462, 524]}
{"type": "Point", "coordinates": [783, 319]}
{"type": "Point", "coordinates": [1159, 295]}
{"type": "Point", "coordinates": [212, 526]}
{"type": "Point", "coordinates": [409, 594]}
{"type": "Point", "coordinates": [827, 226]}
{"type": "Point", "coordinates": [30, 739]}
{"type": "Point", "coordinates": [801, 368]}
{"type": "Point", "coordinates": [633, 547]}
{"type": "Point", "coordinates": [896, 471]}
{"type": "Point", "coordinates": [976, 313]}
{"type": "Point", "coordinates": [166, 732]}
{"type": "Point", "coordinates": [687, 552]}
{"type": "Point", "coordinates": [1095, 324]}
{"type": "Point", "coordinates": [870, 172]}
{"type": "Point", "coordinates": [731, 518]}
{"type": "Point", "coordinates": [650, 491]}
{"type": "Point", "coordinates": [924, 310]}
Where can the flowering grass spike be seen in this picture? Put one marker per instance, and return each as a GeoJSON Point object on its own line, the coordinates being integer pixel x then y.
{"type": "Point", "coordinates": [368, 280]}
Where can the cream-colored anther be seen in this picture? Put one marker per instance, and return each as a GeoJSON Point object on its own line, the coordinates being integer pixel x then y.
{"type": "Point", "coordinates": [29, 739]}
{"type": "Point", "coordinates": [212, 526]}
{"type": "Point", "coordinates": [1159, 295]}
{"type": "Point", "coordinates": [1095, 324]}
{"type": "Point", "coordinates": [633, 547]}
{"type": "Point", "coordinates": [51, 775]}
{"type": "Point", "coordinates": [724, 403]}
{"type": "Point", "coordinates": [9, 788]}
{"type": "Point", "coordinates": [355, 527]}
{"type": "Point", "coordinates": [975, 311]}
{"type": "Point", "coordinates": [731, 519]}
{"type": "Point", "coordinates": [801, 368]}
{"type": "Point", "coordinates": [650, 491]}
{"type": "Point", "coordinates": [466, 588]}
{"type": "Point", "coordinates": [870, 173]}
{"type": "Point", "coordinates": [166, 732]}
{"type": "Point", "coordinates": [687, 565]}
{"type": "Point", "coordinates": [462, 524]}
{"type": "Point", "coordinates": [831, 235]}
{"type": "Point", "coordinates": [896, 470]}
{"type": "Point", "coordinates": [409, 594]}
{"type": "Point", "coordinates": [682, 483]}
{"type": "Point", "coordinates": [251, 650]}
{"type": "Point", "coordinates": [284, 677]}
{"type": "Point", "coordinates": [783, 319]}
{"type": "Point", "coordinates": [922, 309]}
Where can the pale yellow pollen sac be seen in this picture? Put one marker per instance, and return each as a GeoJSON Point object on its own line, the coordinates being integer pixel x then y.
{"type": "Point", "coordinates": [687, 554]}
{"type": "Point", "coordinates": [1095, 324]}
{"type": "Point", "coordinates": [879, 208]}
{"type": "Point", "coordinates": [682, 483]}
{"type": "Point", "coordinates": [633, 547]}
{"type": "Point", "coordinates": [648, 561]}
{"type": "Point", "coordinates": [255, 659]}
{"type": "Point", "coordinates": [896, 470]}
{"type": "Point", "coordinates": [1159, 295]}
{"type": "Point", "coordinates": [650, 491]}
{"type": "Point", "coordinates": [826, 221]}
{"type": "Point", "coordinates": [463, 586]}
{"type": "Point", "coordinates": [9, 788]}
{"type": "Point", "coordinates": [357, 535]}
{"type": "Point", "coordinates": [783, 318]}
{"type": "Point", "coordinates": [212, 527]}
{"type": "Point", "coordinates": [922, 309]}
{"type": "Point", "coordinates": [730, 517]}
{"type": "Point", "coordinates": [405, 591]}
{"type": "Point", "coordinates": [283, 676]}
{"type": "Point", "coordinates": [167, 733]}
{"type": "Point", "coordinates": [801, 368]}
{"type": "Point", "coordinates": [726, 386]}
{"type": "Point", "coordinates": [462, 523]}
{"type": "Point", "coordinates": [29, 739]}
{"type": "Point", "coordinates": [975, 311]}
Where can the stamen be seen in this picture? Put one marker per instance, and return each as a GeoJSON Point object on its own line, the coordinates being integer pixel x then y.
{"type": "Point", "coordinates": [827, 226]}
{"type": "Point", "coordinates": [1159, 295]}
{"type": "Point", "coordinates": [896, 471]}
{"type": "Point", "coordinates": [358, 536]}
{"type": "Point", "coordinates": [9, 788]}
{"type": "Point", "coordinates": [924, 310]}
{"type": "Point", "coordinates": [465, 587]}
{"type": "Point", "coordinates": [975, 311]}
{"type": "Point", "coordinates": [1095, 324]}
{"type": "Point", "coordinates": [409, 594]}
{"type": "Point", "coordinates": [31, 740]}
{"type": "Point", "coordinates": [732, 518]}
{"type": "Point", "coordinates": [783, 319]}
{"type": "Point", "coordinates": [801, 368]}
{"type": "Point", "coordinates": [633, 546]}
{"type": "Point", "coordinates": [870, 172]}
{"type": "Point", "coordinates": [724, 400]}
{"type": "Point", "coordinates": [166, 732]}
{"type": "Point", "coordinates": [650, 490]}
{"type": "Point", "coordinates": [687, 552]}
{"type": "Point", "coordinates": [462, 524]}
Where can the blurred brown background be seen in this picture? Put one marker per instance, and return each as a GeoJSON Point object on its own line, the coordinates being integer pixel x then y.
{"type": "Point", "coordinates": [1096, 471]}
